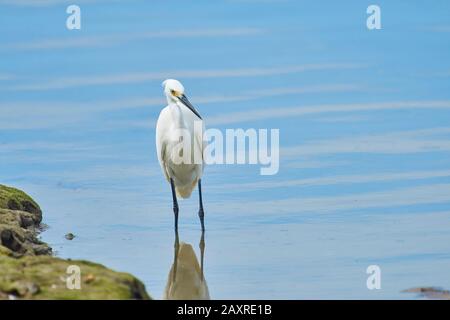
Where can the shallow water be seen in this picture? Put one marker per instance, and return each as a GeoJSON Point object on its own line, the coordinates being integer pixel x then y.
{"type": "Point", "coordinates": [364, 131]}
{"type": "Point", "coordinates": [319, 257]}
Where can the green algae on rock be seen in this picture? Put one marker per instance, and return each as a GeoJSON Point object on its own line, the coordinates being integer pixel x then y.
{"type": "Point", "coordinates": [20, 217]}
{"type": "Point", "coordinates": [18, 232]}
{"type": "Point", "coordinates": [14, 199]}
{"type": "Point", "coordinates": [45, 277]}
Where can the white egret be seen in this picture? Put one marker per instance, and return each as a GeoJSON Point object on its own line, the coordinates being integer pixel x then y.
{"type": "Point", "coordinates": [176, 120]}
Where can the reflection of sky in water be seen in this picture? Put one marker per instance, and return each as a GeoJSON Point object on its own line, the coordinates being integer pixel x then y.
{"type": "Point", "coordinates": [364, 119]}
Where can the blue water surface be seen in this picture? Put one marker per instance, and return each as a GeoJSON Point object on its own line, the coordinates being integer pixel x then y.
{"type": "Point", "coordinates": [364, 120]}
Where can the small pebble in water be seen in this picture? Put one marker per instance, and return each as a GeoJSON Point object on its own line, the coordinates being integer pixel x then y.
{"type": "Point", "coordinates": [70, 236]}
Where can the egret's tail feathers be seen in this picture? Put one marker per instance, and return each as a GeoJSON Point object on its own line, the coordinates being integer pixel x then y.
{"type": "Point", "coordinates": [185, 191]}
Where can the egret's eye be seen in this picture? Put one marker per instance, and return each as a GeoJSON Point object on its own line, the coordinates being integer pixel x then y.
{"type": "Point", "coordinates": [174, 93]}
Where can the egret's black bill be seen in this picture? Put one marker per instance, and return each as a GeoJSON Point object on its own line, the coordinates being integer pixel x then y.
{"type": "Point", "coordinates": [186, 102]}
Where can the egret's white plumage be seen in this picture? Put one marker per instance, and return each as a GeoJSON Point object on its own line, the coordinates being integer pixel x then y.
{"type": "Point", "coordinates": [174, 117]}
{"type": "Point", "coordinates": [177, 116]}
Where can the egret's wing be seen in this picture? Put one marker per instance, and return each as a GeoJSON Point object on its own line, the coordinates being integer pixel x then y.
{"type": "Point", "coordinates": [161, 141]}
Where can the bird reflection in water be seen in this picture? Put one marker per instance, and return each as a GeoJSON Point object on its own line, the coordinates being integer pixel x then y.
{"type": "Point", "coordinates": [186, 279]}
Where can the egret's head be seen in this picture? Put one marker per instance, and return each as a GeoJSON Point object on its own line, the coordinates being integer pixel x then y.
{"type": "Point", "coordinates": [173, 89]}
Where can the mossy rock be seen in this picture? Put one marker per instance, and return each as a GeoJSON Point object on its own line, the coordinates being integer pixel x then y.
{"type": "Point", "coordinates": [14, 199]}
{"type": "Point", "coordinates": [5, 252]}
{"type": "Point", "coordinates": [45, 277]}
{"type": "Point", "coordinates": [18, 233]}
{"type": "Point", "coordinates": [20, 217]}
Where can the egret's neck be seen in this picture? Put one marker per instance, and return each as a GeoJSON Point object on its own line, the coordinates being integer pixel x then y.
{"type": "Point", "coordinates": [177, 115]}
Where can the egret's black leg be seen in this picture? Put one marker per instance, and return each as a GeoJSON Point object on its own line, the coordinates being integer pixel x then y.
{"type": "Point", "coordinates": [176, 248]}
{"type": "Point", "coordinates": [175, 204]}
{"type": "Point", "coordinates": [201, 213]}
{"type": "Point", "coordinates": [202, 252]}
